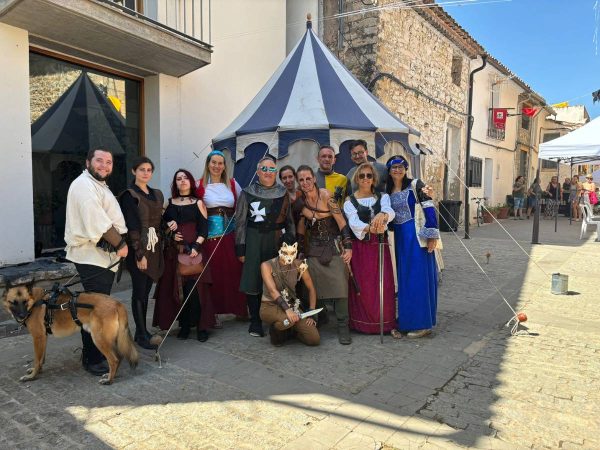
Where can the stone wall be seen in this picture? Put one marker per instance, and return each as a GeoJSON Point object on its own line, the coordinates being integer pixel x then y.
{"type": "Point", "coordinates": [46, 88]}
{"type": "Point", "coordinates": [356, 45]}
{"type": "Point", "coordinates": [403, 44]}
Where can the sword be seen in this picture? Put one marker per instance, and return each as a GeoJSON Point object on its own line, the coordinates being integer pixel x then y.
{"type": "Point", "coordinates": [351, 277]}
{"type": "Point", "coordinates": [353, 280]}
{"type": "Point", "coordinates": [310, 313]}
{"type": "Point", "coordinates": [381, 239]}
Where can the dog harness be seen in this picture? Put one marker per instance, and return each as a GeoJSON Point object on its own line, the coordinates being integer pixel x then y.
{"type": "Point", "coordinates": [52, 304]}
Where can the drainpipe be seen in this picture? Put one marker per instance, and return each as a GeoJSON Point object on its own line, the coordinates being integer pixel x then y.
{"type": "Point", "coordinates": [468, 149]}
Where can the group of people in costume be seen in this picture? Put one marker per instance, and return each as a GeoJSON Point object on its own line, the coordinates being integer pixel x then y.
{"type": "Point", "coordinates": [220, 247]}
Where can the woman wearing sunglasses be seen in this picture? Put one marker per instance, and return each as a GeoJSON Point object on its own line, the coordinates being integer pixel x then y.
{"type": "Point", "coordinates": [368, 213]}
{"type": "Point", "coordinates": [415, 261]}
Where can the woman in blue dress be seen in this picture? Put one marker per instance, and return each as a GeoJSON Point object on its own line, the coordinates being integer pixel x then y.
{"type": "Point", "coordinates": [415, 260]}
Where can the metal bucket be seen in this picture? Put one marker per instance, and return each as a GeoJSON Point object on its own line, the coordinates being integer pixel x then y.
{"type": "Point", "coordinates": [560, 284]}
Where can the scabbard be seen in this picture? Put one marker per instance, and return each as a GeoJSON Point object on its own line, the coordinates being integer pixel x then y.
{"type": "Point", "coordinates": [353, 280]}
{"type": "Point", "coordinates": [120, 269]}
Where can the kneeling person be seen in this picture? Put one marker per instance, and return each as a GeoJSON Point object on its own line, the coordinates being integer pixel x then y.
{"type": "Point", "coordinates": [279, 300]}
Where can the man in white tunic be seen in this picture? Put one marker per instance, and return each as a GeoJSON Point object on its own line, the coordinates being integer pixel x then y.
{"type": "Point", "coordinates": [94, 230]}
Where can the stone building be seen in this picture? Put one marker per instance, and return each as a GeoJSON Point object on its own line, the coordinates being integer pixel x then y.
{"type": "Point", "coordinates": [417, 59]}
{"type": "Point", "coordinates": [417, 62]}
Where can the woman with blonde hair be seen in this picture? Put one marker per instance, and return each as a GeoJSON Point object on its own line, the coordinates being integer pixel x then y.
{"type": "Point", "coordinates": [369, 213]}
{"type": "Point", "coordinates": [588, 190]}
{"type": "Point", "coordinates": [575, 197]}
{"type": "Point", "coordinates": [220, 194]}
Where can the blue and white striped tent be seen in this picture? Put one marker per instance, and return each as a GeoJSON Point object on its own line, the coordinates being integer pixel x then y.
{"type": "Point", "coordinates": [311, 96]}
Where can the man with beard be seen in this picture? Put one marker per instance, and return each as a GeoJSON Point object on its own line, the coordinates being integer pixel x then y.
{"type": "Point", "coordinates": [326, 178]}
{"type": "Point", "coordinates": [262, 217]}
{"type": "Point", "coordinates": [94, 230]}
{"type": "Point", "coordinates": [359, 154]}
{"type": "Point", "coordinates": [329, 248]}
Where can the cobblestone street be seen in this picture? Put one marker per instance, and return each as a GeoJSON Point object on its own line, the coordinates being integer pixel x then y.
{"type": "Point", "coordinates": [469, 385]}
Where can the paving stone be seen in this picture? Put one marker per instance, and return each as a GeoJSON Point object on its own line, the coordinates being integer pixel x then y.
{"type": "Point", "coordinates": [470, 385]}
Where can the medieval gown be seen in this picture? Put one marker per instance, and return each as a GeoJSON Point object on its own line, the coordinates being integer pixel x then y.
{"type": "Point", "coordinates": [199, 310]}
{"type": "Point", "coordinates": [416, 268]}
{"type": "Point", "coordinates": [363, 309]}
{"type": "Point", "coordinates": [226, 269]}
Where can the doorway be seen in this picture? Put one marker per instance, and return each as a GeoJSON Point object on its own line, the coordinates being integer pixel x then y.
{"type": "Point", "coordinates": [452, 184]}
{"type": "Point", "coordinates": [488, 179]}
{"type": "Point", "coordinates": [75, 109]}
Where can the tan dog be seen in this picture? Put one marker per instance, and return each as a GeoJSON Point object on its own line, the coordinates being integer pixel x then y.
{"type": "Point", "coordinates": [106, 322]}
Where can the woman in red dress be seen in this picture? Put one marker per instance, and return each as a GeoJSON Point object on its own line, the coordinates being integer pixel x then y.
{"type": "Point", "coordinates": [219, 193]}
{"type": "Point", "coordinates": [369, 213]}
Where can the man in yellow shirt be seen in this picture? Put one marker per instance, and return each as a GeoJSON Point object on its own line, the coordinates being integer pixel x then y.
{"type": "Point", "coordinates": [328, 179]}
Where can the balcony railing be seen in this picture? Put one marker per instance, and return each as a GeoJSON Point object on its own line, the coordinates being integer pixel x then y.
{"type": "Point", "coordinates": [493, 132]}
{"type": "Point", "coordinates": [190, 18]}
{"type": "Point", "coordinates": [496, 133]}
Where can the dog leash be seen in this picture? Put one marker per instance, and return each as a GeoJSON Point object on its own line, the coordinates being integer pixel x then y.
{"type": "Point", "coordinates": [119, 261]}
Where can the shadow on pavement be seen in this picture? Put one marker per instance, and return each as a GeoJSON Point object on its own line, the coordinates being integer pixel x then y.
{"type": "Point", "coordinates": [235, 391]}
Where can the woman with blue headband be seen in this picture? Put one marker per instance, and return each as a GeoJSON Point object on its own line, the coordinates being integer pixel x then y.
{"type": "Point", "coordinates": [220, 194]}
{"type": "Point", "coordinates": [414, 245]}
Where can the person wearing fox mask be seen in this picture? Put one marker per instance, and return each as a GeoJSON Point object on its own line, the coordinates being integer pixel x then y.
{"type": "Point", "coordinates": [280, 307]}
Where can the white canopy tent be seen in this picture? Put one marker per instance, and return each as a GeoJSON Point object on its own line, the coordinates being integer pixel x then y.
{"type": "Point", "coordinates": [580, 146]}
{"type": "Point", "coordinates": [577, 147]}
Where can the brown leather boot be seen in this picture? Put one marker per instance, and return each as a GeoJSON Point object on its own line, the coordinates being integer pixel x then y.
{"type": "Point", "coordinates": [277, 337]}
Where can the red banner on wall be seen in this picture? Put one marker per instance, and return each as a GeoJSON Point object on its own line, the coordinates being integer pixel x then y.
{"type": "Point", "coordinates": [499, 117]}
{"type": "Point", "coordinates": [530, 111]}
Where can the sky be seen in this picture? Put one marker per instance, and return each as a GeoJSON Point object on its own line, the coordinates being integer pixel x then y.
{"type": "Point", "coordinates": [547, 43]}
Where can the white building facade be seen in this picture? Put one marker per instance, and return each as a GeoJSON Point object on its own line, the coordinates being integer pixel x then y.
{"type": "Point", "coordinates": [165, 75]}
{"type": "Point", "coordinates": [499, 155]}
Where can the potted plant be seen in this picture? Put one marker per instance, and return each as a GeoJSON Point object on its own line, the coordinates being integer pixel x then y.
{"type": "Point", "coordinates": [503, 210]}
{"type": "Point", "coordinates": [489, 213]}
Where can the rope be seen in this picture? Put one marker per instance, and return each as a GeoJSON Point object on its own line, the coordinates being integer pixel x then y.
{"type": "Point", "coordinates": [405, 4]}
{"type": "Point", "coordinates": [515, 316]}
{"type": "Point", "coordinates": [157, 356]}
{"type": "Point", "coordinates": [152, 239]}
{"type": "Point", "coordinates": [69, 284]}
{"type": "Point", "coordinates": [441, 158]}
{"type": "Point", "coordinates": [514, 329]}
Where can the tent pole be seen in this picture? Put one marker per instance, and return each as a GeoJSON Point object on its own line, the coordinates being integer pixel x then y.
{"type": "Point", "coordinates": [535, 232]}
{"type": "Point", "coordinates": [557, 196]}
{"type": "Point", "coordinates": [570, 199]}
